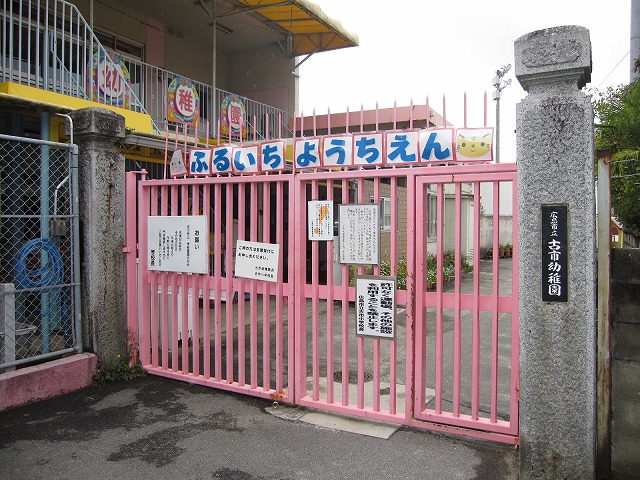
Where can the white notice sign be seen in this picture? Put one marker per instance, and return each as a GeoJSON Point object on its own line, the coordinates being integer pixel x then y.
{"type": "Point", "coordinates": [376, 306]}
{"type": "Point", "coordinates": [178, 244]}
{"type": "Point", "coordinates": [320, 219]}
{"type": "Point", "coordinates": [257, 260]}
{"type": "Point", "coordinates": [360, 234]}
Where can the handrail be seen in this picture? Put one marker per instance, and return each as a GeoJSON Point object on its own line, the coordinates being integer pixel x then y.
{"type": "Point", "coordinates": [63, 56]}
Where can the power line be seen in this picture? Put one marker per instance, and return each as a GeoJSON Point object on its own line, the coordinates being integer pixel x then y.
{"type": "Point", "coordinates": [613, 69]}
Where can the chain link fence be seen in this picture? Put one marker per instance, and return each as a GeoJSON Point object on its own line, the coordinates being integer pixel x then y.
{"type": "Point", "coordinates": [39, 257]}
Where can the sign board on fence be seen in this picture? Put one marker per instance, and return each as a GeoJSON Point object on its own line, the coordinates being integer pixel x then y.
{"type": "Point", "coordinates": [555, 253]}
{"type": "Point", "coordinates": [178, 244]}
{"type": "Point", "coordinates": [257, 260]}
{"type": "Point", "coordinates": [320, 220]}
{"type": "Point", "coordinates": [360, 234]}
{"type": "Point", "coordinates": [376, 306]}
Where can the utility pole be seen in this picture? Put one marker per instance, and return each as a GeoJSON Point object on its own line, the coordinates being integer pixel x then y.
{"type": "Point", "coordinates": [499, 85]}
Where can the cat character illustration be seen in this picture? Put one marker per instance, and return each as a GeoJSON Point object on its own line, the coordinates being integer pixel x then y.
{"type": "Point", "coordinates": [176, 167]}
{"type": "Point", "coordinates": [474, 146]}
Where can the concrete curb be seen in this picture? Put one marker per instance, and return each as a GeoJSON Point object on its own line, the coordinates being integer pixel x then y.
{"type": "Point", "coordinates": [51, 379]}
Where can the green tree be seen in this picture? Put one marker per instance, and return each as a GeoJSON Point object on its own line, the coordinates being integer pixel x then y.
{"type": "Point", "coordinates": [617, 111]}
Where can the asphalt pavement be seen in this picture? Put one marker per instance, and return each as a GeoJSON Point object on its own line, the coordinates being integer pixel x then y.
{"type": "Point", "coordinates": [158, 428]}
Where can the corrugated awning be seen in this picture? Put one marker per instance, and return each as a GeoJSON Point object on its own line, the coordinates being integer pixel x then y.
{"type": "Point", "coordinates": [310, 28]}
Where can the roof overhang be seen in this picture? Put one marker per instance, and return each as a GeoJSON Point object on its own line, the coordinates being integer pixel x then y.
{"type": "Point", "coordinates": [304, 22]}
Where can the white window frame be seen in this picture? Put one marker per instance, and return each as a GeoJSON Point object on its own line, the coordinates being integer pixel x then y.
{"type": "Point", "coordinates": [385, 211]}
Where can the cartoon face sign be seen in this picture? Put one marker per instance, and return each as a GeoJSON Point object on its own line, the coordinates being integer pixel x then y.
{"type": "Point", "coordinates": [474, 144]}
{"type": "Point", "coordinates": [176, 167]}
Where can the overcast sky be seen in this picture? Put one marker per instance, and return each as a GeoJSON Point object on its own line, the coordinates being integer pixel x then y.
{"type": "Point", "coordinates": [413, 48]}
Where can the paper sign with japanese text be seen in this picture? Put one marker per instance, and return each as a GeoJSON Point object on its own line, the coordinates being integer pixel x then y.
{"type": "Point", "coordinates": [337, 151]}
{"type": "Point", "coordinates": [307, 153]}
{"type": "Point", "coordinates": [245, 159]}
{"type": "Point", "coordinates": [402, 147]}
{"type": "Point", "coordinates": [436, 145]}
{"type": "Point", "coordinates": [221, 159]}
{"type": "Point", "coordinates": [257, 260]}
{"type": "Point", "coordinates": [360, 234]}
{"type": "Point", "coordinates": [375, 306]}
{"type": "Point", "coordinates": [200, 162]}
{"type": "Point", "coordinates": [368, 149]}
{"type": "Point", "coordinates": [272, 156]}
{"type": "Point", "coordinates": [320, 219]}
{"type": "Point", "coordinates": [178, 244]}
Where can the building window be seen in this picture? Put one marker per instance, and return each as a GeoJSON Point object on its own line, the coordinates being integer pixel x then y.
{"type": "Point", "coordinates": [432, 215]}
{"type": "Point", "coordinates": [385, 205]}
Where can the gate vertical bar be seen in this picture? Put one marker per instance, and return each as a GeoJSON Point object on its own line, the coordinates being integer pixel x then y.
{"type": "Point", "coordinates": [345, 313]}
{"type": "Point", "coordinates": [206, 288]}
{"type": "Point", "coordinates": [229, 239]}
{"type": "Point", "coordinates": [164, 298]}
{"type": "Point", "coordinates": [457, 328]}
{"type": "Point", "coordinates": [299, 204]}
{"type": "Point", "coordinates": [279, 298]}
{"type": "Point", "coordinates": [241, 288]}
{"type": "Point", "coordinates": [475, 329]}
{"type": "Point", "coordinates": [495, 301]}
{"type": "Point", "coordinates": [174, 291]}
{"type": "Point", "coordinates": [393, 355]}
{"type": "Point", "coordinates": [153, 279]}
{"type": "Point", "coordinates": [439, 358]}
{"type": "Point", "coordinates": [195, 295]}
{"type": "Point", "coordinates": [417, 243]}
{"type": "Point", "coordinates": [217, 285]}
{"type": "Point", "coordinates": [360, 339]}
{"type": "Point", "coordinates": [184, 299]}
{"type": "Point", "coordinates": [143, 276]}
{"type": "Point", "coordinates": [315, 323]}
{"type": "Point", "coordinates": [266, 295]}
{"type": "Point", "coordinates": [253, 300]}
{"type": "Point", "coordinates": [376, 341]}
{"type": "Point", "coordinates": [330, 333]}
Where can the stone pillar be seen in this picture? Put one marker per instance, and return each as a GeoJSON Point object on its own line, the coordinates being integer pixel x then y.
{"type": "Point", "coordinates": [556, 168]}
{"type": "Point", "coordinates": [102, 212]}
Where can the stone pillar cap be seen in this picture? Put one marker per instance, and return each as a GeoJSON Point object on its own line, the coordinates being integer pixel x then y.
{"type": "Point", "coordinates": [98, 121]}
{"type": "Point", "coordinates": [554, 55]}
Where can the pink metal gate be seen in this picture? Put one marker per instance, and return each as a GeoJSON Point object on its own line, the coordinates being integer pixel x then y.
{"type": "Point", "coordinates": [453, 362]}
{"type": "Point", "coordinates": [215, 329]}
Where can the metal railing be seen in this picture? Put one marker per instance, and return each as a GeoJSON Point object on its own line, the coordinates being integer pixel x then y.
{"type": "Point", "coordinates": [47, 44]}
{"type": "Point", "coordinates": [151, 84]}
{"type": "Point", "coordinates": [39, 251]}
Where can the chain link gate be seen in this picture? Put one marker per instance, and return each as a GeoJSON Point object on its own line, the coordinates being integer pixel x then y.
{"type": "Point", "coordinates": [39, 251]}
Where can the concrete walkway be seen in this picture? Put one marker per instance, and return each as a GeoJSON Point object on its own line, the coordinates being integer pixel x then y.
{"type": "Point", "coordinates": [163, 429]}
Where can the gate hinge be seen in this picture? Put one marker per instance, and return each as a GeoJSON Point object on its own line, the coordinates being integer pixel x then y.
{"type": "Point", "coordinates": [126, 249]}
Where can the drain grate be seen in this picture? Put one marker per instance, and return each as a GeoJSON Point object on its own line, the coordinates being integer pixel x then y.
{"type": "Point", "coordinates": [353, 376]}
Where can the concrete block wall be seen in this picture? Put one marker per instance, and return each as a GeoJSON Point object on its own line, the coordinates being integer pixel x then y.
{"type": "Point", "coordinates": [625, 364]}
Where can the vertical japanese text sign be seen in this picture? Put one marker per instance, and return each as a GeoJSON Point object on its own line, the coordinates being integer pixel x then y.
{"type": "Point", "coordinates": [360, 234]}
{"type": "Point", "coordinates": [555, 253]}
{"type": "Point", "coordinates": [376, 306]}
{"type": "Point", "coordinates": [320, 219]}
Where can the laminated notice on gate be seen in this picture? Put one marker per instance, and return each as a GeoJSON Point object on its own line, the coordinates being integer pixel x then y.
{"type": "Point", "coordinates": [178, 244]}
{"type": "Point", "coordinates": [360, 234]}
{"type": "Point", "coordinates": [257, 260]}
{"type": "Point", "coordinates": [376, 306]}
